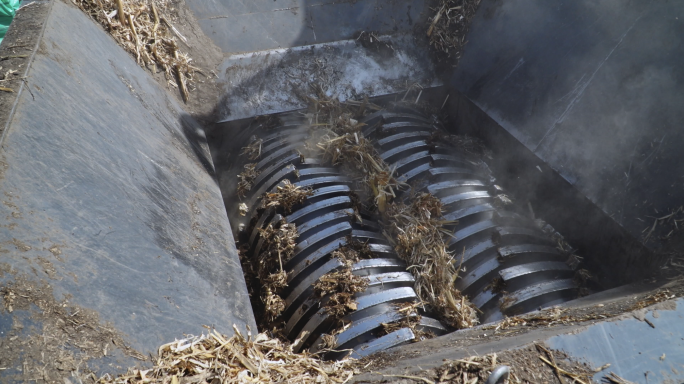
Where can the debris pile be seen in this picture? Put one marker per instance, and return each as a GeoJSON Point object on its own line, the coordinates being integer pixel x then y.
{"type": "Point", "coordinates": [420, 239]}
{"type": "Point", "coordinates": [143, 28]}
{"type": "Point", "coordinates": [218, 359]}
{"type": "Point", "coordinates": [449, 27]}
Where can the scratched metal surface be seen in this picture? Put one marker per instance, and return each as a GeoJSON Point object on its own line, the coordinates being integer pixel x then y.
{"type": "Point", "coordinates": [258, 25]}
{"type": "Point", "coordinates": [99, 162]}
{"type": "Point", "coordinates": [269, 82]}
{"type": "Point", "coordinates": [636, 350]}
{"type": "Point", "coordinates": [593, 89]}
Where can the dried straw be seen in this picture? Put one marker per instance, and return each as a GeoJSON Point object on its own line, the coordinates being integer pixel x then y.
{"type": "Point", "coordinates": [278, 247]}
{"type": "Point", "coordinates": [142, 28]}
{"type": "Point", "coordinates": [342, 143]}
{"type": "Point", "coordinates": [246, 178]}
{"type": "Point", "coordinates": [286, 196]}
{"type": "Point", "coordinates": [337, 289]}
{"type": "Point", "coordinates": [340, 287]}
{"type": "Point", "coordinates": [215, 358]}
{"type": "Point", "coordinates": [253, 150]}
{"type": "Point", "coordinates": [410, 320]}
{"type": "Point", "coordinates": [474, 369]}
{"type": "Point", "coordinates": [420, 240]}
{"type": "Point", "coordinates": [417, 228]}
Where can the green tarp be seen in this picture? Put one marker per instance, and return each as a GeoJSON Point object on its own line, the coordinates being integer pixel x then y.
{"type": "Point", "coordinates": [7, 10]}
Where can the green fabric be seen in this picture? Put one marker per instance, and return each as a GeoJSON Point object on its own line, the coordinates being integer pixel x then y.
{"type": "Point", "coordinates": [7, 10]}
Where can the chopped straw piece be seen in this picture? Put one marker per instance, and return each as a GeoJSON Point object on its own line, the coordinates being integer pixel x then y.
{"type": "Point", "coordinates": [278, 247]}
{"type": "Point", "coordinates": [246, 177]}
{"type": "Point", "coordinates": [340, 286]}
{"type": "Point", "coordinates": [421, 242]}
{"type": "Point", "coordinates": [253, 150]}
{"type": "Point", "coordinates": [215, 358]}
{"type": "Point", "coordinates": [287, 195]}
{"type": "Point", "coordinates": [343, 143]}
{"type": "Point", "coordinates": [410, 320]}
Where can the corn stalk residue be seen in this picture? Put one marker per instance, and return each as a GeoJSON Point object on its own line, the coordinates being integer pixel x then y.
{"type": "Point", "coordinates": [343, 143]}
{"type": "Point", "coordinates": [143, 28]}
{"type": "Point", "coordinates": [337, 289]}
{"type": "Point", "coordinates": [278, 247]}
{"type": "Point", "coordinates": [238, 359]}
{"type": "Point", "coordinates": [421, 241]}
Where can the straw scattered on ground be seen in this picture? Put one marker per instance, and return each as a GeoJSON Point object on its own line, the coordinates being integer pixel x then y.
{"type": "Point", "coordinates": [448, 28]}
{"type": "Point", "coordinates": [420, 239]}
{"type": "Point", "coordinates": [215, 358]}
{"type": "Point", "coordinates": [144, 29]}
{"type": "Point", "coordinates": [47, 339]}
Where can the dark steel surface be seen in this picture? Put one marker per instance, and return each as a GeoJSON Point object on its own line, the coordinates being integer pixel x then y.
{"type": "Point", "coordinates": [393, 339]}
{"type": "Point", "coordinates": [581, 102]}
{"type": "Point", "coordinates": [101, 162]}
{"type": "Point", "coordinates": [636, 351]}
{"type": "Point", "coordinates": [257, 25]}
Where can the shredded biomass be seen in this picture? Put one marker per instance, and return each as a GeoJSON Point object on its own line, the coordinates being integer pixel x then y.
{"type": "Point", "coordinates": [286, 196]}
{"type": "Point", "coordinates": [343, 143]}
{"type": "Point", "coordinates": [410, 320]}
{"type": "Point", "coordinates": [143, 28]}
{"type": "Point", "coordinates": [246, 179]}
{"type": "Point", "coordinates": [420, 239]}
{"type": "Point", "coordinates": [337, 289]}
{"type": "Point", "coordinates": [253, 150]}
{"type": "Point", "coordinates": [215, 358]}
{"type": "Point", "coordinates": [278, 247]}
